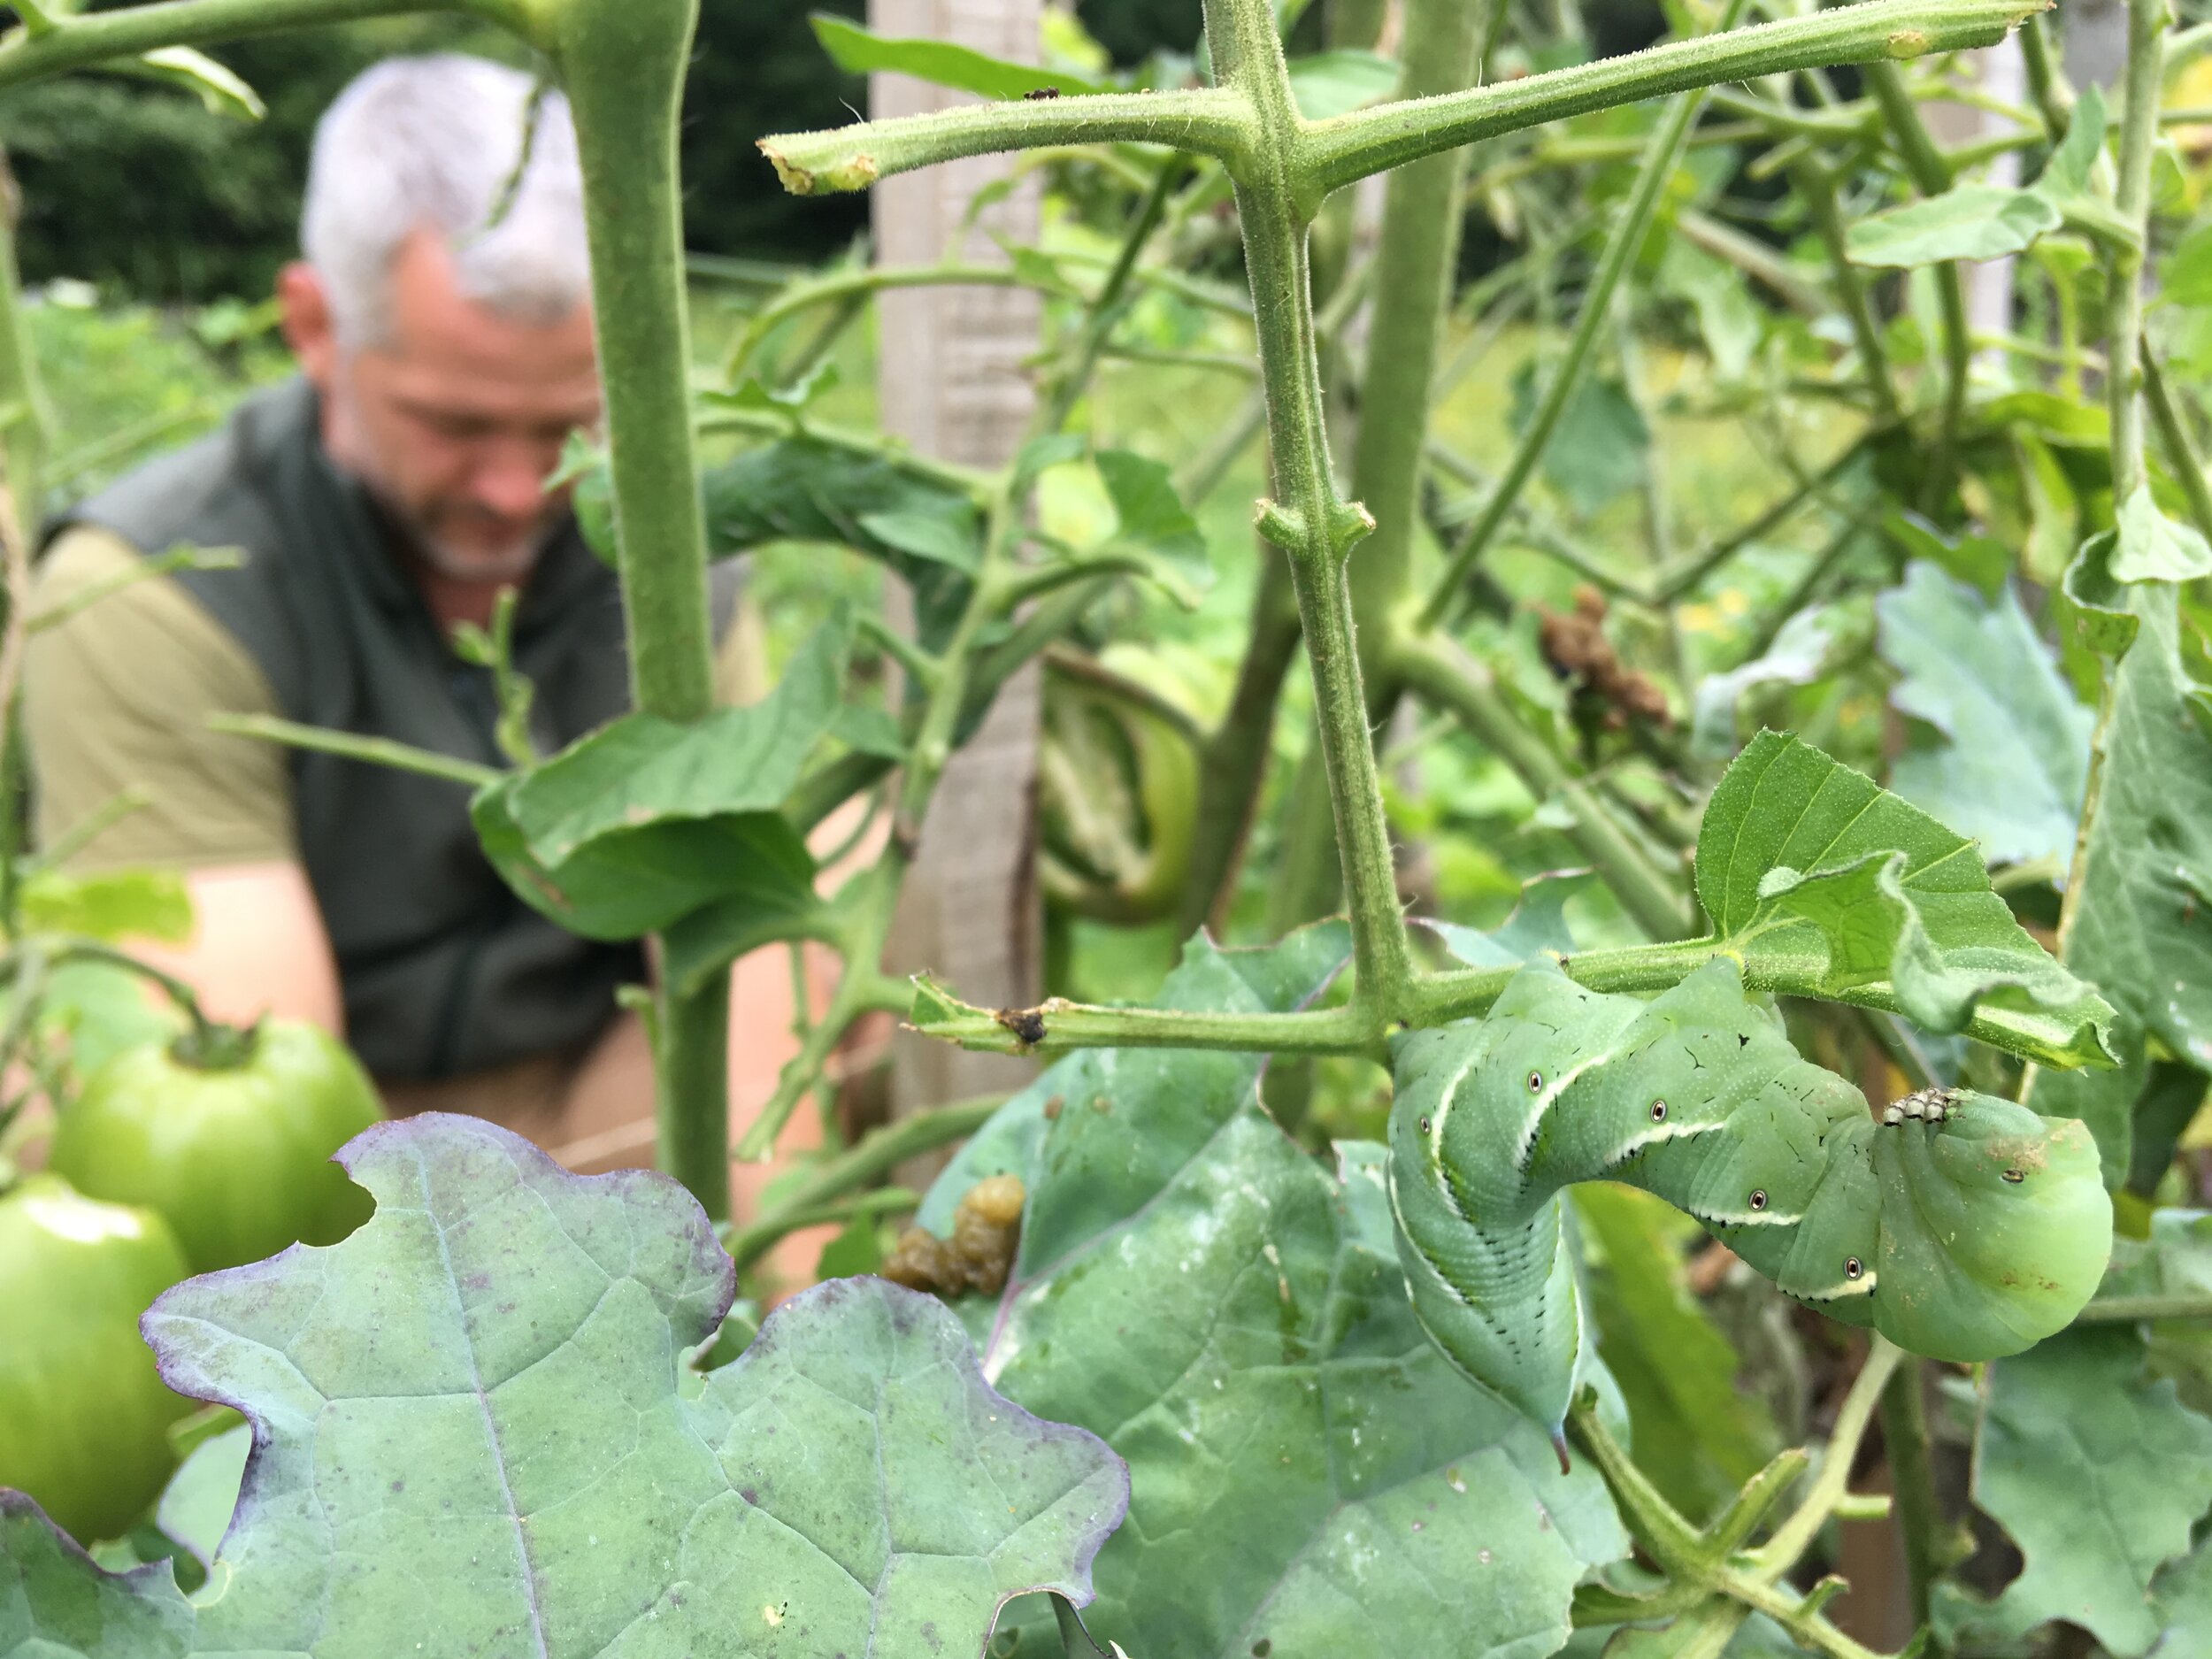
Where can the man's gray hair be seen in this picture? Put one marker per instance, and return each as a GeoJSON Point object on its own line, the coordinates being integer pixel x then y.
{"type": "Point", "coordinates": [432, 143]}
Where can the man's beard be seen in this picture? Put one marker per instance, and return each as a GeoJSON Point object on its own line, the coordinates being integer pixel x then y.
{"type": "Point", "coordinates": [510, 564]}
{"type": "Point", "coordinates": [445, 558]}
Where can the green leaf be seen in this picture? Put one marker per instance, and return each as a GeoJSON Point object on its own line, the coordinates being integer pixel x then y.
{"type": "Point", "coordinates": [2185, 276]}
{"type": "Point", "coordinates": [1308, 1474]}
{"type": "Point", "coordinates": [1829, 886]}
{"type": "Point", "coordinates": [2014, 753]}
{"type": "Point", "coordinates": [1970, 221]}
{"type": "Point", "coordinates": [2139, 931]}
{"type": "Point", "coordinates": [1152, 517]}
{"type": "Point", "coordinates": [857, 51]}
{"type": "Point", "coordinates": [112, 904]}
{"type": "Point", "coordinates": [2154, 549]}
{"type": "Point", "coordinates": [56, 1604]}
{"type": "Point", "coordinates": [1325, 85]}
{"type": "Point", "coordinates": [647, 820]}
{"type": "Point", "coordinates": [1696, 1436]}
{"type": "Point", "coordinates": [475, 1432]}
{"type": "Point", "coordinates": [220, 90]}
{"type": "Point", "coordinates": [869, 730]}
{"type": "Point", "coordinates": [2098, 1473]}
{"type": "Point", "coordinates": [2066, 174]}
{"type": "Point", "coordinates": [942, 538]}
{"type": "Point", "coordinates": [1537, 924]}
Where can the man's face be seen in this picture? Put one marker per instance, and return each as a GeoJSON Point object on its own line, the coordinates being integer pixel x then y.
{"type": "Point", "coordinates": [455, 420]}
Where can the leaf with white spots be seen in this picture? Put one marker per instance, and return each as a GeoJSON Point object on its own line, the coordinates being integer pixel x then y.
{"type": "Point", "coordinates": [476, 1433]}
{"type": "Point", "coordinates": [1309, 1477]}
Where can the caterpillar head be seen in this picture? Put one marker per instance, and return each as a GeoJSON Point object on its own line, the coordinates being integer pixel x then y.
{"type": "Point", "coordinates": [1996, 1227]}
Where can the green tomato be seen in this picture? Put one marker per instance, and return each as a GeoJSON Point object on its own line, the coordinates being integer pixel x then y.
{"type": "Point", "coordinates": [231, 1142]}
{"type": "Point", "coordinates": [83, 1419]}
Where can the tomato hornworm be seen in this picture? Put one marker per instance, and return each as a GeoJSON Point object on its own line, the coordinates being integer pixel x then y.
{"type": "Point", "coordinates": [1959, 1225]}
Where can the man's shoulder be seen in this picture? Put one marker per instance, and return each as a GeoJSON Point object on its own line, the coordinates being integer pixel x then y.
{"type": "Point", "coordinates": [92, 585]}
{"type": "Point", "coordinates": [213, 491]}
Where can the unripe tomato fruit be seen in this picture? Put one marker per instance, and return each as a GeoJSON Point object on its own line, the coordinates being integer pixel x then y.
{"type": "Point", "coordinates": [230, 1140]}
{"type": "Point", "coordinates": [84, 1420]}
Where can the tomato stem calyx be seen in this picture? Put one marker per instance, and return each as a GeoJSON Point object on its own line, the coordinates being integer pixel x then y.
{"type": "Point", "coordinates": [209, 1045]}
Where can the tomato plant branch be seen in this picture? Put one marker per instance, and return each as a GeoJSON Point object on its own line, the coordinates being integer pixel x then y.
{"type": "Point", "coordinates": [1709, 1560]}
{"type": "Point", "coordinates": [1212, 121]}
{"type": "Point", "coordinates": [375, 752]}
{"type": "Point", "coordinates": [1334, 153]}
{"type": "Point", "coordinates": [2147, 23]}
{"type": "Point", "coordinates": [1919, 1520]}
{"type": "Point", "coordinates": [76, 41]}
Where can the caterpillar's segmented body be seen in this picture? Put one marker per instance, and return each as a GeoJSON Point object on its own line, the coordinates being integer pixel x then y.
{"type": "Point", "coordinates": [1959, 1225]}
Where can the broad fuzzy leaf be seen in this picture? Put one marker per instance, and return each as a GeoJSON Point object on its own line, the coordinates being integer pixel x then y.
{"type": "Point", "coordinates": [2143, 922]}
{"type": "Point", "coordinates": [475, 1432]}
{"type": "Point", "coordinates": [647, 820]}
{"type": "Point", "coordinates": [1829, 886]}
{"type": "Point", "coordinates": [2098, 1473]}
{"type": "Point", "coordinates": [1309, 1476]}
{"type": "Point", "coordinates": [2154, 548]}
{"type": "Point", "coordinates": [2015, 756]}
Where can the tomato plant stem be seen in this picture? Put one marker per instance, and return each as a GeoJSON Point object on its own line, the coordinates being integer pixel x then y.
{"type": "Point", "coordinates": [622, 63]}
{"type": "Point", "coordinates": [1311, 523]}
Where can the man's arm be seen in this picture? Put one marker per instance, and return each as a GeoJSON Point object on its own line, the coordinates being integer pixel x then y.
{"type": "Point", "coordinates": [258, 947]}
{"type": "Point", "coordinates": [117, 698]}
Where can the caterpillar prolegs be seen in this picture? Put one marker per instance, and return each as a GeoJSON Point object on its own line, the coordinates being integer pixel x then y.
{"type": "Point", "coordinates": [1959, 1225]}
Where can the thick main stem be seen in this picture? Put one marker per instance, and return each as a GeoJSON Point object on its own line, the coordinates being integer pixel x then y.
{"type": "Point", "coordinates": [1414, 255]}
{"type": "Point", "coordinates": [1311, 523]}
{"type": "Point", "coordinates": [623, 64]}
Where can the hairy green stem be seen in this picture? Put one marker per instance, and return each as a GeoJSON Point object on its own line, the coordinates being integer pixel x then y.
{"type": "Point", "coordinates": [2133, 1309]}
{"type": "Point", "coordinates": [622, 63]}
{"type": "Point", "coordinates": [1311, 523]}
{"type": "Point", "coordinates": [375, 752]}
{"type": "Point", "coordinates": [1415, 252]}
{"type": "Point", "coordinates": [2147, 23]}
{"type": "Point", "coordinates": [1224, 122]}
{"type": "Point", "coordinates": [1817, 189]}
{"type": "Point", "coordinates": [2125, 359]}
{"type": "Point", "coordinates": [1334, 153]}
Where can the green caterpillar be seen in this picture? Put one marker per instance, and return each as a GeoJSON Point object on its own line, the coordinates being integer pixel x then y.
{"type": "Point", "coordinates": [1960, 1227]}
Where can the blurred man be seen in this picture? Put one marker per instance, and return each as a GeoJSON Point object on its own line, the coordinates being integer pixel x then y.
{"type": "Point", "coordinates": [442, 322]}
